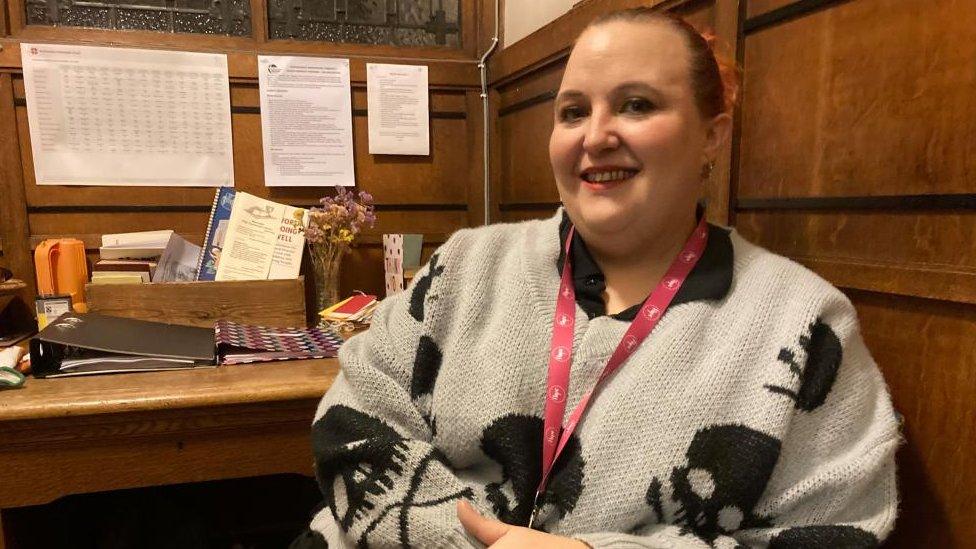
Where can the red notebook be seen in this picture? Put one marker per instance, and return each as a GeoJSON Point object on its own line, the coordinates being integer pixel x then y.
{"type": "Point", "coordinates": [355, 304]}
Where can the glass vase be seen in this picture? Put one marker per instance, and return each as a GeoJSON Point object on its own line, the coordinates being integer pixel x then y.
{"type": "Point", "coordinates": [326, 262]}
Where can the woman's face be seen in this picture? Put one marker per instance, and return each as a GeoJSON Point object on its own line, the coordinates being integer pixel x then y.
{"type": "Point", "coordinates": [628, 144]}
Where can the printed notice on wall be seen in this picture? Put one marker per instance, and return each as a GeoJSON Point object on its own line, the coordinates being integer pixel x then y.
{"type": "Point", "coordinates": [398, 109]}
{"type": "Point", "coordinates": [117, 116]}
{"type": "Point", "coordinates": [306, 121]}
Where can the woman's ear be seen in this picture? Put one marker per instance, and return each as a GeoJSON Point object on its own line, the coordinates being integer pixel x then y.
{"type": "Point", "coordinates": [717, 133]}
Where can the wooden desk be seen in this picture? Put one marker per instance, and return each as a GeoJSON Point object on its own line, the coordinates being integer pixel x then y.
{"type": "Point", "coordinates": [108, 432]}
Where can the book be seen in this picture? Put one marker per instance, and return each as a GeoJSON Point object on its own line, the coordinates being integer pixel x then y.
{"type": "Point", "coordinates": [110, 277]}
{"type": "Point", "coordinates": [140, 245]}
{"type": "Point", "coordinates": [264, 240]}
{"type": "Point", "coordinates": [89, 343]}
{"type": "Point", "coordinates": [244, 343]}
{"type": "Point", "coordinates": [357, 308]}
{"type": "Point", "coordinates": [213, 240]}
{"type": "Point", "coordinates": [124, 265]}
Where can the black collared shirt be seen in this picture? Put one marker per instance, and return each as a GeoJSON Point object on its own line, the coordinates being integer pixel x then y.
{"type": "Point", "coordinates": [710, 279]}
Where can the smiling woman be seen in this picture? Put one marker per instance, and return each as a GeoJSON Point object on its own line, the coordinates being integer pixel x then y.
{"type": "Point", "coordinates": [621, 374]}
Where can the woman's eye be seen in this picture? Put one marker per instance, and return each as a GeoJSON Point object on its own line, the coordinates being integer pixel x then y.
{"type": "Point", "coordinates": [570, 114]}
{"type": "Point", "coordinates": [637, 105]}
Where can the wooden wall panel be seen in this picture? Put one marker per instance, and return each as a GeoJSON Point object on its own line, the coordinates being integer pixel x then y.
{"type": "Point", "coordinates": [14, 229]}
{"type": "Point", "coordinates": [926, 350]}
{"type": "Point", "coordinates": [872, 98]}
{"type": "Point", "coordinates": [928, 254]}
{"type": "Point", "coordinates": [525, 169]}
{"type": "Point", "coordinates": [759, 7]}
{"type": "Point", "coordinates": [525, 120]}
{"type": "Point", "coordinates": [834, 106]}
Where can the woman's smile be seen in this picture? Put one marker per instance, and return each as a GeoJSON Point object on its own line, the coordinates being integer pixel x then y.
{"type": "Point", "coordinates": [604, 178]}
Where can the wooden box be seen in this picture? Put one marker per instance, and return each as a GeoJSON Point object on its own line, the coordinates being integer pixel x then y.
{"type": "Point", "coordinates": [265, 302]}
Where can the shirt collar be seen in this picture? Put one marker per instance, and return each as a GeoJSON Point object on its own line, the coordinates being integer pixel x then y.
{"type": "Point", "coordinates": [709, 280]}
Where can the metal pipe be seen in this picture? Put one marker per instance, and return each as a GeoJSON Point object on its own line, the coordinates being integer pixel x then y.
{"type": "Point", "coordinates": [483, 68]}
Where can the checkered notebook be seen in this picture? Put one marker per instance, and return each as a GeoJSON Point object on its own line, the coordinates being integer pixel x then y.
{"type": "Point", "coordinates": [243, 343]}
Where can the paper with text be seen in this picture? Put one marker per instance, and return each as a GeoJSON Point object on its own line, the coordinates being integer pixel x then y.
{"type": "Point", "coordinates": [398, 117]}
{"type": "Point", "coordinates": [118, 116]}
{"type": "Point", "coordinates": [306, 121]}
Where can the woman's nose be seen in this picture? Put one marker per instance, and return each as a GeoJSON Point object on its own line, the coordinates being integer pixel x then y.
{"type": "Point", "coordinates": [601, 133]}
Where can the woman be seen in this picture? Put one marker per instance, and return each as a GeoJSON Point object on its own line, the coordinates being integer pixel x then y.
{"type": "Point", "coordinates": [735, 403]}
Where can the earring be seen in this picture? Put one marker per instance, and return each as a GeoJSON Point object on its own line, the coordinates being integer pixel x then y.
{"type": "Point", "coordinates": [707, 169]}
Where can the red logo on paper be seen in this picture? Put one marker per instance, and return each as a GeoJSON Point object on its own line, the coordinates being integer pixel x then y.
{"type": "Point", "coordinates": [652, 313]}
{"type": "Point", "coordinates": [688, 257]}
{"type": "Point", "coordinates": [563, 320]}
{"type": "Point", "coordinates": [33, 51]}
{"type": "Point", "coordinates": [630, 342]}
{"type": "Point", "coordinates": [672, 284]}
{"type": "Point", "coordinates": [561, 354]}
{"type": "Point", "coordinates": [557, 393]}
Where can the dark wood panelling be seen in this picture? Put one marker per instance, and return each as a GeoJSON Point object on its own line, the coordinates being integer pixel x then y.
{"type": "Point", "coordinates": [522, 212]}
{"type": "Point", "coordinates": [856, 160]}
{"type": "Point", "coordinates": [904, 202]}
{"type": "Point", "coordinates": [926, 350]}
{"type": "Point", "coordinates": [525, 121]}
{"type": "Point", "coordinates": [525, 170]}
{"type": "Point", "coordinates": [525, 90]}
{"type": "Point", "coordinates": [14, 227]}
{"type": "Point", "coordinates": [786, 12]}
{"type": "Point", "coordinates": [759, 7]}
{"type": "Point", "coordinates": [4, 31]}
{"type": "Point", "coordinates": [475, 140]}
{"type": "Point", "coordinates": [930, 254]}
{"type": "Point", "coordinates": [834, 106]}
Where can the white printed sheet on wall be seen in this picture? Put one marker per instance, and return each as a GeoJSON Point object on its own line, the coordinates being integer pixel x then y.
{"type": "Point", "coordinates": [306, 121]}
{"type": "Point", "coordinates": [120, 116]}
{"type": "Point", "coordinates": [398, 109]}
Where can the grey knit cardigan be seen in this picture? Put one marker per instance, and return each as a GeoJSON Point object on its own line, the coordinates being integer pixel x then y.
{"type": "Point", "coordinates": [757, 419]}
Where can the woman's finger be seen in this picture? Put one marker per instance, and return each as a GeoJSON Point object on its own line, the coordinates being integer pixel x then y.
{"type": "Point", "coordinates": [488, 531]}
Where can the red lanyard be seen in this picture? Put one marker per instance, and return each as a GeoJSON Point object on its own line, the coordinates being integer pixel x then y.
{"type": "Point", "coordinates": [555, 435]}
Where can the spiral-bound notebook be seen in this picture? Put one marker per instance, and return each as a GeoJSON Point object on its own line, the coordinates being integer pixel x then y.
{"type": "Point", "coordinates": [243, 343]}
{"type": "Point", "coordinates": [213, 239]}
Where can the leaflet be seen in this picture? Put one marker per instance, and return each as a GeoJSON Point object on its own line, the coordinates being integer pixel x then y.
{"type": "Point", "coordinates": [264, 239]}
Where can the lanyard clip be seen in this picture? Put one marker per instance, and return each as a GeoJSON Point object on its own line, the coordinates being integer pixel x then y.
{"type": "Point", "coordinates": [535, 510]}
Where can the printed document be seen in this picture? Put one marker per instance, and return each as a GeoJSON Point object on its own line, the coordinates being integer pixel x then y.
{"type": "Point", "coordinates": [306, 121]}
{"type": "Point", "coordinates": [399, 117]}
{"type": "Point", "coordinates": [264, 240]}
{"type": "Point", "coordinates": [118, 116]}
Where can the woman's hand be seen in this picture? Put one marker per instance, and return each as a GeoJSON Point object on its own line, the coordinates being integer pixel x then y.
{"type": "Point", "coordinates": [498, 535]}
